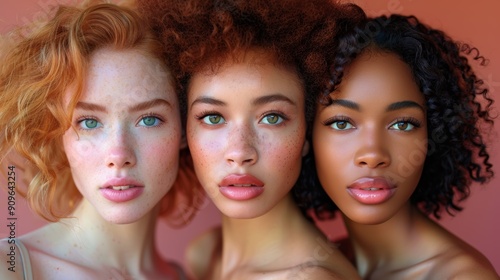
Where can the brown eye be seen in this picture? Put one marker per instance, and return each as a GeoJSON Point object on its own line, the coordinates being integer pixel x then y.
{"type": "Point", "coordinates": [403, 126]}
{"type": "Point", "coordinates": [341, 125]}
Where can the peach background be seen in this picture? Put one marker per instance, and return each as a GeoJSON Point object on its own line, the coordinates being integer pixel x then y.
{"type": "Point", "coordinates": [475, 22]}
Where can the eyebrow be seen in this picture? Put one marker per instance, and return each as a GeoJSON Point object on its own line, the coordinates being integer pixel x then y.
{"type": "Point", "coordinates": [138, 107]}
{"type": "Point", "coordinates": [208, 100]}
{"type": "Point", "coordinates": [392, 107]}
{"type": "Point", "coordinates": [259, 101]}
{"type": "Point", "coordinates": [345, 103]}
{"type": "Point", "coordinates": [90, 106]}
{"type": "Point", "coordinates": [272, 98]}
{"type": "Point", "coordinates": [150, 104]}
{"type": "Point", "coordinates": [404, 104]}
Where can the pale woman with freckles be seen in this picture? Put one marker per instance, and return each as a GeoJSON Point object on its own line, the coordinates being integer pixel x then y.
{"type": "Point", "coordinates": [87, 99]}
{"type": "Point", "coordinates": [396, 139]}
{"type": "Point", "coordinates": [246, 128]}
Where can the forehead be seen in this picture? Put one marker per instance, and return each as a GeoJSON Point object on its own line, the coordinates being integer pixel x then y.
{"type": "Point", "coordinates": [381, 74]}
{"type": "Point", "coordinates": [256, 64]}
{"type": "Point", "coordinates": [124, 73]}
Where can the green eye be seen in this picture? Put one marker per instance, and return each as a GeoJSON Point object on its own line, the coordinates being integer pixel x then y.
{"type": "Point", "coordinates": [89, 123]}
{"type": "Point", "coordinates": [213, 119]}
{"type": "Point", "coordinates": [272, 119]}
{"type": "Point", "coordinates": [149, 121]}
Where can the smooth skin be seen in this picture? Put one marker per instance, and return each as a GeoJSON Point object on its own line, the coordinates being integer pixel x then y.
{"type": "Point", "coordinates": [248, 118]}
{"type": "Point", "coordinates": [376, 128]}
{"type": "Point", "coordinates": [126, 126]}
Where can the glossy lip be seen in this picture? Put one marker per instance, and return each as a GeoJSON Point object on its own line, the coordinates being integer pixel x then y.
{"type": "Point", "coordinates": [241, 187]}
{"type": "Point", "coordinates": [135, 189]}
{"type": "Point", "coordinates": [371, 190]}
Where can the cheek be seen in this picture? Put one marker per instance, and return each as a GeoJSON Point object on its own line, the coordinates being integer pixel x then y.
{"type": "Point", "coordinates": [80, 152]}
{"type": "Point", "coordinates": [410, 159]}
{"type": "Point", "coordinates": [283, 152]}
{"type": "Point", "coordinates": [205, 147]}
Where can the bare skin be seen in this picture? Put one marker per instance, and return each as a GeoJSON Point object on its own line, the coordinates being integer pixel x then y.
{"type": "Point", "coordinates": [87, 247]}
{"type": "Point", "coordinates": [435, 252]}
{"type": "Point", "coordinates": [376, 132]}
{"type": "Point", "coordinates": [248, 119]}
{"type": "Point", "coordinates": [263, 248]}
{"type": "Point", "coordinates": [111, 233]}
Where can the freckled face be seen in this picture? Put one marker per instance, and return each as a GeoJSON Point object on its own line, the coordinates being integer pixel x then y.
{"type": "Point", "coordinates": [246, 127]}
{"type": "Point", "coordinates": [371, 142]}
{"type": "Point", "coordinates": [123, 148]}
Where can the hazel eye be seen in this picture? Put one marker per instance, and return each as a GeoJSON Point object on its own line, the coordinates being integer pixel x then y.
{"type": "Point", "coordinates": [213, 119]}
{"type": "Point", "coordinates": [149, 121]}
{"type": "Point", "coordinates": [272, 119]}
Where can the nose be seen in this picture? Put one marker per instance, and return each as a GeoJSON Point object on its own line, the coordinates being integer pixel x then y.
{"type": "Point", "coordinates": [241, 149]}
{"type": "Point", "coordinates": [120, 149]}
{"type": "Point", "coordinates": [373, 151]}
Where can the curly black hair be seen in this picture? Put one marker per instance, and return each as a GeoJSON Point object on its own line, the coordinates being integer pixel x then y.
{"type": "Point", "coordinates": [457, 105]}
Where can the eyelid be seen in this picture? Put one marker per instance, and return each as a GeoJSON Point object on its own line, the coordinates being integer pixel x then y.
{"type": "Point", "coordinates": [337, 118]}
{"type": "Point", "coordinates": [201, 116]}
{"type": "Point", "coordinates": [160, 119]}
{"type": "Point", "coordinates": [280, 114]}
{"type": "Point", "coordinates": [79, 120]}
{"type": "Point", "coordinates": [413, 121]}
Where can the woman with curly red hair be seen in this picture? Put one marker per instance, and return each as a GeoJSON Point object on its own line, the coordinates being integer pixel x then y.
{"type": "Point", "coordinates": [247, 68]}
{"type": "Point", "coordinates": [87, 100]}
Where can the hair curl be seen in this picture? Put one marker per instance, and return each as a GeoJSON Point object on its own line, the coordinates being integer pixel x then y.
{"type": "Point", "coordinates": [457, 105]}
{"type": "Point", "coordinates": [203, 33]}
{"type": "Point", "coordinates": [42, 62]}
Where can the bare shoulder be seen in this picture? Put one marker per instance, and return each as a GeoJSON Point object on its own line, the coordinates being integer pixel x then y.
{"type": "Point", "coordinates": [10, 266]}
{"type": "Point", "coordinates": [200, 251]}
{"type": "Point", "coordinates": [463, 263]}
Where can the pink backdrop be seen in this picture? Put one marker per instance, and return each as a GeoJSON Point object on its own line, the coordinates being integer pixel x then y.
{"type": "Point", "coordinates": [475, 22]}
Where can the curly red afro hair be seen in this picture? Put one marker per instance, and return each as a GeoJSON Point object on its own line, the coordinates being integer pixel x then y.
{"type": "Point", "coordinates": [197, 34]}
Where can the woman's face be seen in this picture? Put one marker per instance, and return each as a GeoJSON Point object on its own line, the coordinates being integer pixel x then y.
{"type": "Point", "coordinates": [371, 142]}
{"type": "Point", "coordinates": [123, 149]}
{"type": "Point", "coordinates": [246, 132]}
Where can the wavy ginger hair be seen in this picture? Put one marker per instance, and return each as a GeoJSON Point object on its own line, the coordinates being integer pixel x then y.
{"type": "Point", "coordinates": [36, 72]}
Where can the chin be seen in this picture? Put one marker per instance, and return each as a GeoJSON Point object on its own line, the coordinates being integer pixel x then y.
{"type": "Point", "coordinates": [242, 211]}
{"type": "Point", "coordinates": [368, 218]}
{"type": "Point", "coordinates": [123, 217]}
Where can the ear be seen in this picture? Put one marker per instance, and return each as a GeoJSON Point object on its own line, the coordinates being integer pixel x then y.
{"type": "Point", "coordinates": [184, 143]}
{"type": "Point", "coordinates": [305, 148]}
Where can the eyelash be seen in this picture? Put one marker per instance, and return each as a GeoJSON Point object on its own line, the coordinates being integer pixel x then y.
{"type": "Point", "coordinates": [277, 113]}
{"type": "Point", "coordinates": [416, 123]}
{"type": "Point", "coordinates": [413, 121]}
{"type": "Point", "coordinates": [161, 120]}
{"type": "Point", "coordinates": [332, 120]}
{"type": "Point", "coordinates": [203, 114]}
{"type": "Point", "coordinates": [80, 119]}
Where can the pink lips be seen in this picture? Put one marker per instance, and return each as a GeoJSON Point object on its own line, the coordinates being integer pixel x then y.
{"type": "Point", "coordinates": [370, 190]}
{"type": "Point", "coordinates": [241, 187]}
{"type": "Point", "coordinates": [121, 189]}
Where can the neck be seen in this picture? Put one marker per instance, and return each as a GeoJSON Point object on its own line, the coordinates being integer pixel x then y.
{"type": "Point", "coordinates": [265, 239]}
{"type": "Point", "coordinates": [115, 245]}
{"type": "Point", "coordinates": [395, 243]}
